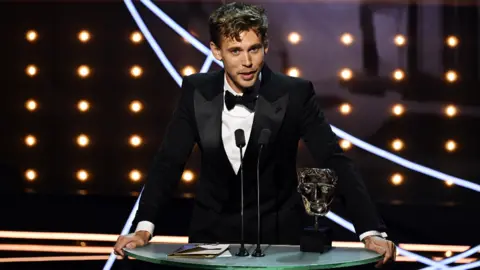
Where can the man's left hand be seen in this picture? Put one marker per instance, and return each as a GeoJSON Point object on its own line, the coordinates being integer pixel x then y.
{"type": "Point", "coordinates": [381, 246]}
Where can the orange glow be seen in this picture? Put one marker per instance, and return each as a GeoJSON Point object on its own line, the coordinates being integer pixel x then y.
{"type": "Point", "coordinates": [57, 258]}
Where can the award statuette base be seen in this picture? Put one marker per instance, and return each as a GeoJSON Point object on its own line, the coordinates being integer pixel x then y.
{"type": "Point", "coordinates": [317, 240]}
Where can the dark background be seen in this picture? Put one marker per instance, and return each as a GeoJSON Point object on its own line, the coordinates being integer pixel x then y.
{"type": "Point", "coordinates": [420, 210]}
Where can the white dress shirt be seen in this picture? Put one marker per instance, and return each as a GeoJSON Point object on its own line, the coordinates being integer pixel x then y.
{"type": "Point", "coordinates": [238, 118]}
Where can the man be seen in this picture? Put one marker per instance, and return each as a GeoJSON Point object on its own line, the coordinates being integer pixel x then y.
{"type": "Point", "coordinates": [247, 95]}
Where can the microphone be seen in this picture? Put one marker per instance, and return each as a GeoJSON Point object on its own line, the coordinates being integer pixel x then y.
{"type": "Point", "coordinates": [262, 141]}
{"type": "Point", "coordinates": [240, 142]}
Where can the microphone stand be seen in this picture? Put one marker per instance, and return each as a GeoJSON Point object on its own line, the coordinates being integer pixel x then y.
{"type": "Point", "coordinates": [242, 252]}
{"type": "Point", "coordinates": [258, 251]}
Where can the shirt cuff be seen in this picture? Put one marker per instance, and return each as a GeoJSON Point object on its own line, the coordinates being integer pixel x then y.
{"type": "Point", "coordinates": [370, 233]}
{"type": "Point", "coordinates": [145, 226]}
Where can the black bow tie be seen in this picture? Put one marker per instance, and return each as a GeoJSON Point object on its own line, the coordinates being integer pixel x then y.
{"type": "Point", "coordinates": [247, 100]}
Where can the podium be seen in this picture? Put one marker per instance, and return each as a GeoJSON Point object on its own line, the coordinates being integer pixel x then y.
{"type": "Point", "coordinates": [276, 257]}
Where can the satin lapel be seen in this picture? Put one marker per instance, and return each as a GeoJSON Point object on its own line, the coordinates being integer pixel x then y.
{"type": "Point", "coordinates": [208, 114]}
{"type": "Point", "coordinates": [269, 112]}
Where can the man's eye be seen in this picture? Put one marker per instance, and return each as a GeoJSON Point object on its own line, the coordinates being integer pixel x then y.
{"type": "Point", "coordinates": [254, 50]}
{"type": "Point", "coordinates": [235, 51]}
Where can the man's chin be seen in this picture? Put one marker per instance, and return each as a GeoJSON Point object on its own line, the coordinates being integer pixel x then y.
{"type": "Point", "coordinates": [248, 84]}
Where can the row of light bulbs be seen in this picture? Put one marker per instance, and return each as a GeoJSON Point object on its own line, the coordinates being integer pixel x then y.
{"type": "Point", "coordinates": [398, 145]}
{"type": "Point", "coordinates": [83, 105]}
{"type": "Point", "coordinates": [345, 108]}
{"type": "Point", "coordinates": [348, 39]}
{"type": "Point", "coordinates": [398, 179]}
{"type": "Point", "coordinates": [85, 71]}
{"type": "Point", "coordinates": [188, 176]}
{"type": "Point", "coordinates": [399, 109]}
{"type": "Point", "coordinates": [83, 140]}
{"type": "Point", "coordinates": [345, 74]}
{"type": "Point", "coordinates": [83, 36]}
{"type": "Point", "coordinates": [83, 175]}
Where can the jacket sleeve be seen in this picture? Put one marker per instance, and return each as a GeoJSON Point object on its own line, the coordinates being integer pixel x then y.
{"type": "Point", "coordinates": [322, 143]}
{"type": "Point", "coordinates": [170, 159]}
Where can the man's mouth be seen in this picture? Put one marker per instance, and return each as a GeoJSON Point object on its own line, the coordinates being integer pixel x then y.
{"type": "Point", "coordinates": [247, 75]}
{"type": "Point", "coordinates": [248, 72]}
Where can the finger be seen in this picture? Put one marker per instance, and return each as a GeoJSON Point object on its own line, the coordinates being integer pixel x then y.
{"type": "Point", "coordinates": [121, 244]}
{"type": "Point", "coordinates": [392, 252]}
{"type": "Point", "coordinates": [131, 245]}
{"type": "Point", "coordinates": [379, 264]}
{"type": "Point", "coordinates": [388, 256]}
{"type": "Point", "coordinates": [119, 251]}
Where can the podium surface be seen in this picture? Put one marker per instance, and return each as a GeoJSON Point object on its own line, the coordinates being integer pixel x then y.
{"type": "Point", "coordinates": [276, 257]}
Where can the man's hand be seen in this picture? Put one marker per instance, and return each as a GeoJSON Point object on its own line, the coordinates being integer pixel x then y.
{"type": "Point", "coordinates": [381, 246]}
{"type": "Point", "coordinates": [138, 239]}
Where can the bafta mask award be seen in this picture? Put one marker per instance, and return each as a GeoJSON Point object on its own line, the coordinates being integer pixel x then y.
{"type": "Point", "coordinates": [317, 188]}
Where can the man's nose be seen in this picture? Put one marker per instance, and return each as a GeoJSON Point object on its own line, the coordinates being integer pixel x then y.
{"type": "Point", "coordinates": [247, 60]}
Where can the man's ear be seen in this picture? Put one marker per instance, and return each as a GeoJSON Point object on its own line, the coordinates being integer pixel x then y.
{"type": "Point", "coordinates": [217, 53]}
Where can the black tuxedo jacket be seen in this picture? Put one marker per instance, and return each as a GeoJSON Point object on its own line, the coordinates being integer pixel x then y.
{"type": "Point", "coordinates": [287, 106]}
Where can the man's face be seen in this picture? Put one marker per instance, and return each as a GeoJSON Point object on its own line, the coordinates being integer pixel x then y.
{"type": "Point", "coordinates": [242, 60]}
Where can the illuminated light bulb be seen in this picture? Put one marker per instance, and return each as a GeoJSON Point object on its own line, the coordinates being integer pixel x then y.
{"type": "Point", "coordinates": [398, 74]}
{"type": "Point", "coordinates": [135, 175]}
{"type": "Point", "coordinates": [136, 37]}
{"type": "Point", "coordinates": [397, 145]}
{"type": "Point", "coordinates": [31, 70]}
{"type": "Point", "coordinates": [83, 105]}
{"type": "Point", "coordinates": [82, 175]}
{"type": "Point", "coordinates": [83, 140]}
{"type": "Point", "coordinates": [449, 183]}
{"type": "Point", "coordinates": [345, 144]}
{"type": "Point", "coordinates": [30, 175]}
{"type": "Point", "coordinates": [396, 179]}
{"type": "Point", "coordinates": [346, 74]}
{"type": "Point", "coordinates": [452, 41]}
{"type": "Point", "coordinates": [400, 40]}
{"type": "Point", "coordinates": [136, 71]}
{"type": "Point", "coordinates": [294, 38]}
{"type": "Point", "coordinates": [188, 70]}
{"type": "Point", "coordinates": [30, 140]}
{"type": "Point", "coordinates": [188, 176]}
{"type": "Point", "coordinates": [83, 71]}
{"type": "Point", "coordinates": [31, 105]}
{"type": "Point", "coordinates": [135, 140]}
{"type": "Point", "coordinates": [136, 106]}
{"type": "Point", "coordinates": [31, 35]}
{"type": "Point", "coordinates": [451, 76]}
{"type": "Point", "coordinates": [346, 39]}
{"type": "Point", "coordinates": [398, 109]}
{"type": "Point", "coordinates": [451, 111]}
{"type": "Point", "coordinates": [450, 145]}
{"type": "Point", "coordinates": [345, 108]}
{"type": "Point", "coordinates": [293, 72]}
{"type": "Point", "coordinates": [84, 36]}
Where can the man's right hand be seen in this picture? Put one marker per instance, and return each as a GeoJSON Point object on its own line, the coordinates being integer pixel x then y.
{"type": "Point", "coordinates": [138, 239]}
